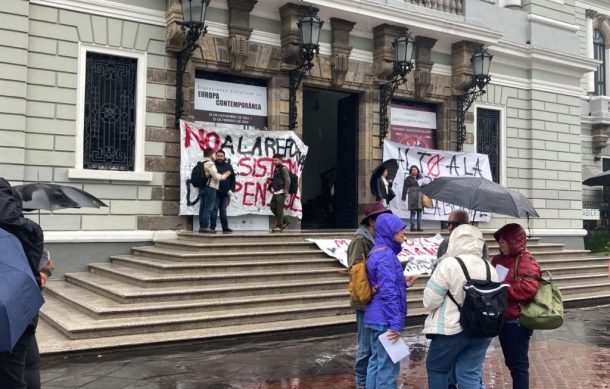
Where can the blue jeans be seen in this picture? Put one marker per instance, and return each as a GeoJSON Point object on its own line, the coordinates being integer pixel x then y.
{"type": "Point", "coordinates": [515, 341]}
{"type": "Point", "coordinates": [382, 373]}
{"type": "Point", "coordinates": [460, 351]}
{"type": "Point", "coordinates": [221, 204]}
{"type": "Point", "coordinates": [207, 199]}
{"type": "Point", "coordinates": [364, 351]}
{"type": "Point", "coordinates": [417, 212]}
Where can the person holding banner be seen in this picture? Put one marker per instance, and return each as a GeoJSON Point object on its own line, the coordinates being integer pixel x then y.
{"type": "Point", "coordinates": [279, 186]}
{"type": "Point", "coordinates": [207, 193]}
{"type": "Point", "coordinates": [413, 195]}
{"type": "Point", "coordinates": [359, 249]}
{"type": "Point", "coordinates": [223, 194]}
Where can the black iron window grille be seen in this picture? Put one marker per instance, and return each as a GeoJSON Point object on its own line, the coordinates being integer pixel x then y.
{"type": "Point", "coordinates": [110, 112]}
{"type": "Point", "coordinates": [599, 52]}
{"type": "Point", "coordinates": [488, 139]}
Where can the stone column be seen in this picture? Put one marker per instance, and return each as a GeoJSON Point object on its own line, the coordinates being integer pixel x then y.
{"type": "Point", "coordinates": [239, 32]}
{"type": "Point", "coordinates": [383, 52]}
{"type": "Point", "coordinates": [423, 65]}
{"type": "Point", "coordinates": [290, 13]}
{"type": "Point", "coordinates": [341, 50]}
{"type": "Point", "coordinates": [461, 78]}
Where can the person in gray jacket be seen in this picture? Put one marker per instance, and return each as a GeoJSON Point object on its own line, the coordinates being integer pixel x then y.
{"type": "Point", "coordinates": [455, 219]}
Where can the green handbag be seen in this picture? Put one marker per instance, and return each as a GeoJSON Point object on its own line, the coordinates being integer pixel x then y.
{"type": "Point", "coordinates": [545, 310]}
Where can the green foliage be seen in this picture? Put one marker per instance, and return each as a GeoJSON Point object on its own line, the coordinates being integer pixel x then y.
{"type": "Point", "coordinates": [598, 241]}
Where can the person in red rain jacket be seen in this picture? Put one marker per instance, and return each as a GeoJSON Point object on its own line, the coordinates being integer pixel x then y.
{"type": "Point", "coordinates": [514, 338]}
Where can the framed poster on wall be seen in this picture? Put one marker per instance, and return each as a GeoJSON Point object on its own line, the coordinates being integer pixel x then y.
{"type": "Point", "coordinates": [413, 124]}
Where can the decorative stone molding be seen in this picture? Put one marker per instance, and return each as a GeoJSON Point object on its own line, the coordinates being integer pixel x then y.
{"type": "Point", "coordinates": [423, 65]}
{"type": "Point", "coordinates": [340, 49]}
{"type": "Point", "coordinates": [600, 137]}
{"type": "Point", "coordinates": [290, 13]}
{"type": "Point", "coordinates": [601, 23]}
{"type": "Point", "coordinates": [383, 52]}
{"type": "Point", "coordinates": [239, 32]}
{"type": "Point", "coordinates": [174, 36]}
{"type": "Point", "coordinates": [461, 69]}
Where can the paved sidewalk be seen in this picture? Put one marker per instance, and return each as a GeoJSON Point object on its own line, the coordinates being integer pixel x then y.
{"type": "Point", "coordinates": [574, 356]}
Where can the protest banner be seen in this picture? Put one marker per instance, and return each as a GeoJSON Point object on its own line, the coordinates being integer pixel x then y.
{"type": "Point", "coordinates": [433, 164]}
{"type": "Point", "coordinates": [418, 254]}
{"type": "Point", "coordinates": [250, 153]}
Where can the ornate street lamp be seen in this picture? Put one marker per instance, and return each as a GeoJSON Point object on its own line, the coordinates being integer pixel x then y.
{"type": "Point", "coordinates": [481, 62]}
{"type": "Point", "coordinates": [310, 27]}
{"type": "Point", "coordinates": [193, 27]}
{"type": "Point", "coordinates": [403, 45]}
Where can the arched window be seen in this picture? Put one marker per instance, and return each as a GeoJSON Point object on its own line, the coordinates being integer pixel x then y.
{"type": "Point", "coordinates": [599, 51]}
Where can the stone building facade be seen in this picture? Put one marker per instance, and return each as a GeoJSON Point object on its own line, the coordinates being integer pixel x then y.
{"type": "Point", "coordinates": [539, 70]}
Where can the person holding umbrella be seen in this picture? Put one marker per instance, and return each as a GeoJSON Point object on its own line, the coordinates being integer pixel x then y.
{"type": "Point", "coordinates": [384, 188]}
{"type": "Point", "coordinates": [20, 361]}
{"type": "Point", "coordinates": [412, 194]}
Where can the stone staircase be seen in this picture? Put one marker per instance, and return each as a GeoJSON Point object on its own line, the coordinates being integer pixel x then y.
{"type": "Point", "coordinates": [202, 287]}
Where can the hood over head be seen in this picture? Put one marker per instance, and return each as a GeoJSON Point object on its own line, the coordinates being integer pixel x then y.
{"type": "Point", "coordinates": [10, 203]}
{"type": "Point", "coordinates": [515, 236]}
{"type": "Point", "coordinates": [386, 227]}
{"type": "Point", "coordinates": [465, 239]}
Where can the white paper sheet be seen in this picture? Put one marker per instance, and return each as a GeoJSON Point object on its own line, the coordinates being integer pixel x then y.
{"type": "Point", "coordinates": [502, 272]}
{"type": "Point", "coordinates": [396, 350]}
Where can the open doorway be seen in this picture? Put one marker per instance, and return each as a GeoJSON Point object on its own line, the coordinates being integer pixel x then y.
{"type": "Point", "coordinates": [330, 176]}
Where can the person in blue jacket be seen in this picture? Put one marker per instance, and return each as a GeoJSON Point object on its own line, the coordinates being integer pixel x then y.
{"type": "Point", "coordinates": [387, 309]}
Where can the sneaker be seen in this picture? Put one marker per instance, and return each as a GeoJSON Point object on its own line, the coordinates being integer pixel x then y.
{"type": "Point", "coordinates": [283, 227]}
{"type": "Point", "coordinates": [420, 230]}
{"type": "Point", "coordinates": [205, 231]}
{"type": "Point", "coordinates": [276, 229]}
{"type": "Point", "coordinates": [412, 228]}
{"type": "Point", "coordinates": [227, 230]}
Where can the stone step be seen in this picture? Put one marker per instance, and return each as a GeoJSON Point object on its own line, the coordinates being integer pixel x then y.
{"type": "Point", "coordinates": [77, 325]}
{"type": "Point", "coordinates": [263, 246]}
{"type": "Point", "coordinates": [203, 255]}
{"type": "Point", "coordinates": [586, 299]}
{"type": "Point", "coordinates": [593, 288]}
{"type": "Point", "coordinates": [149, 279]}
{"type": "Point", "coordinates": [164, 266]}
{"type": "Point", "coordinates": [575, 270]}
{"type": "Point", "coordinates": [259, 236]}
{"type": "Point", "coordinates": [540, 247]}
{"type": "Point", "coordinates": [568, 261]}
{"type": "Point", "coordinates": [128, 293]}
{"type": "Point", "coordinates": [579, 279]}
{"type": "Point", "coordinates": [102, 307]}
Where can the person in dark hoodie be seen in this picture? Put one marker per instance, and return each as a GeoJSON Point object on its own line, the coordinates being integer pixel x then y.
{"type": "Point", "coordinates": [523, 275]}
{"type": "Point", "coordinates": [21, 367]}
{"type": "Point", "coordinates": [387, 309]}
{"type": "Point", "coordinates": [357, 251]}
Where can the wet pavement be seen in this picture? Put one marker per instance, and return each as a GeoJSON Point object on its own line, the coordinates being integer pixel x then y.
{"type": "Point", "coordinates": [575, 356]}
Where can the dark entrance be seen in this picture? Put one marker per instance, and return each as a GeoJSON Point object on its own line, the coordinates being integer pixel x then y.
{"type": "Point", "coordinates": [330, 176]}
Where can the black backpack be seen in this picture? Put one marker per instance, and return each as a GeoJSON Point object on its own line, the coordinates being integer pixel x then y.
{"type": "Point", "coordinates": [481, 314]}
{"type": "Point", "coordinates": [294, 183]}
{"type": "Point", "coordinates": [197, 179]}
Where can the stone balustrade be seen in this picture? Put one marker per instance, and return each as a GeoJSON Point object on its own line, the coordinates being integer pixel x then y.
{"type": "Point", "coordinates": [449, 6]}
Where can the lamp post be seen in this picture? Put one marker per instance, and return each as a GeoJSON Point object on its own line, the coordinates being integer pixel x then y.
{"type": "Point", "coordinates": [403, 45]}
{"type": "Point", "coordinates": [309, 27]}
{"type": "Point", "coordinates": [193, 26]}
{"type": "Point", "coordinates": [481, 61]}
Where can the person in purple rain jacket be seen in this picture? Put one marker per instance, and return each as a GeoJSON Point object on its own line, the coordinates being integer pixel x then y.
{"type": "Point", "coordinates": [387, 309]}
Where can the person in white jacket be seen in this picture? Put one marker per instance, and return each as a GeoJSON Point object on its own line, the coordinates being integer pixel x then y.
{"type": "Point", "coordinates": [450, 346]}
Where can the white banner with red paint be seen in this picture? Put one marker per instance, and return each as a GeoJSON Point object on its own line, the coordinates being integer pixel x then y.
{"type": "Point", "coordinates": [418, 254]}
{"type": "Point", "coordinates": [250, 153]}
{"type": "Point", "coordinates": [432, 164]}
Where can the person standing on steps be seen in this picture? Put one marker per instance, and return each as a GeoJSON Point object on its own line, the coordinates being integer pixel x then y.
{"type": "Point", "coordinates": [279, 185]}
{"type": "Point", "coordinates": [223, 194]}
{"type": "Point", "coordinates": [207, 193]}
{"type": "Point", "coordinates": [358, 249]}
{"type": "Point", "coordinates": [412, 194]}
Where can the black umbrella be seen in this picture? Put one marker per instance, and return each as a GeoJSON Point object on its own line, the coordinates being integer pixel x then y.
{"type": "Point", "coordinates": [391, 165]}
{"type": "Point", "coordinates": [39, 195]}
{"type": "Point", "coordinates": [598, 180]}
{"type": "Point", "coordinates": [481, 195]}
